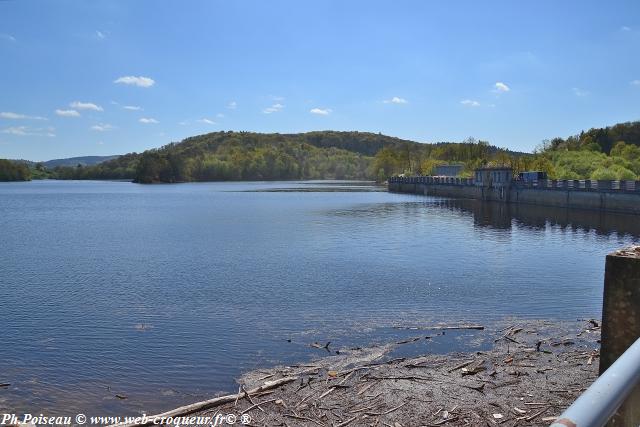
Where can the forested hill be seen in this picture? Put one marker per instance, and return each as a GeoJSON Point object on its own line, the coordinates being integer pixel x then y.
{"type": "Point", "coordinates": [257, 156]}
{"type": "Point", "coordinates": [612, 152]}
{"type": "Point", "coordinates": [605, 153]}
{"type": "Point", "coordinates": [598, 139]}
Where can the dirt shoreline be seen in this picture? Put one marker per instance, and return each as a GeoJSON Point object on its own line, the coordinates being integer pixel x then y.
{"type": "Point", "coordinates": [534, 371]}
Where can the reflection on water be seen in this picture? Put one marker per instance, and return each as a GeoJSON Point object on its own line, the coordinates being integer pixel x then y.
{"type": "Point", "coordinates": [166, 293]}
{"type": "Point", "coordinates": [500, 215]}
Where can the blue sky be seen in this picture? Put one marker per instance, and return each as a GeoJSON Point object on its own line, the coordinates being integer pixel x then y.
{"type": "Point", "coordinates": [110, 77]}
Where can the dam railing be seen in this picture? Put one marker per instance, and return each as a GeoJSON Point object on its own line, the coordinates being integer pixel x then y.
{"type": "Point", "coordinates": [603, 398]}
{"type": "Point", "coordinates": [546, 184]}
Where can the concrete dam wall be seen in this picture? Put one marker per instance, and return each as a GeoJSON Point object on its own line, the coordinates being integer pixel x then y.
{"type": "Point", "coordinates": [610, 196]}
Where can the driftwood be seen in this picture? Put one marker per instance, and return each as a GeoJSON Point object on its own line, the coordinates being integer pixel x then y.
{"type": "Point", "coordinates": [359, 390]}
{"type": "Point", "coordinates": [440, 328]}
{"type": "Point", "coordinates": [206, 404]}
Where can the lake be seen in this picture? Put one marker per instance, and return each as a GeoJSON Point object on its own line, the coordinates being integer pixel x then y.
{"type": "Point", "coordinates": [166, 293]}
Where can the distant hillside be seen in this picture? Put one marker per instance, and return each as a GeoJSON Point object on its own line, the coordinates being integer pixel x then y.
{"type": "Point", "coordinates": [607, 153]}
{"type": "Point", "coordinates": [256, 156]}
{"type": "Point", "coordinates": [75, 161]}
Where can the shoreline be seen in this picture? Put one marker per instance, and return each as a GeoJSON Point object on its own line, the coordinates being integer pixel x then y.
{"type": "Point", "coordinates": [534, 370]}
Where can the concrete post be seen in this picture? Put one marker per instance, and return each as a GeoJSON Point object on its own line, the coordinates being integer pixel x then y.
{"type": "Point", "coordinates": [621, 321]}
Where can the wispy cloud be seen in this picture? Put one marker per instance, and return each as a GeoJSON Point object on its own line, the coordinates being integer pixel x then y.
{"type": "Point", "coordinates": [8, 37]}
{"type": "Point", "coordinates": [102, 127]}
{"type": "Point", "coordinates": [139, 81]}
{"type": "Point", "coordinates": [26, 131]}
{"type": "Point", "coordinates": [132, 107]}
{"type": "Point", "coordinates": [100, 35]}
{"type": "Point", "coordinates": [470, 103]}
{"type": "Point", "coordinates": [579, 92]}
{"type": "Point", "coordinates": [396, 100]}
{"type": "Point", "coordinates": [77, 105]}
{"type": "Point", "coordinates": [206, 121]}
{"type": "Point", "coordinates": [68, 113]}
{"type": "Point", "coordinates": [232, 105]}
{"type": "Point", "coordinates": [16, 130]}
{"type": "Point", "coordinates": [273, 109]}
{"type": "Point", "coordinates": [148, 120]}
{"type": "Point", "coordinates": [625, 28]}
{"type": "Point", "coordinates": [321, 111]}
{"type": "Point", "coordinates": [500, 87]}
{"type": "Point", "coordinates": [635, 83]}
{"type": "Point", "coordinates": [17, 116]}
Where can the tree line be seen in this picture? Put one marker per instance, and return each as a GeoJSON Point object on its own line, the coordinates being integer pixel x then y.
{"type": "Point", "coordinates": [14, 171]}
{"type": "Point", "coordinates": [606, 153]}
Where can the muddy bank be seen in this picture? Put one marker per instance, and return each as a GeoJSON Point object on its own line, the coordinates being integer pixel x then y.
{"type": "Point", "coordinates": [532, 372]}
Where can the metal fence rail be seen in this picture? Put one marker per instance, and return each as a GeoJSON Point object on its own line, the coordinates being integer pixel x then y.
{"type": "Point", "coordinates": [600, 401]}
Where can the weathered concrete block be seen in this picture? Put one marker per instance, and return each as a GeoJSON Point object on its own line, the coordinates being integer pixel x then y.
{"type": "Point", "coordinates": [621, 321]}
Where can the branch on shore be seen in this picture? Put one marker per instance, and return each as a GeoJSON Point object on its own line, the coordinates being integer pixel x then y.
{"type": "Point", "coordinates": [206, 404]}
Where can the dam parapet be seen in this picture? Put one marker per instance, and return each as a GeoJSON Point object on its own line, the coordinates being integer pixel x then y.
{"type": "Point", "coordinates": [497, 184]}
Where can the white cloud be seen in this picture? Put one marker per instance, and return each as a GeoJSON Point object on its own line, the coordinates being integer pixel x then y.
{"type": "Point", "coordinates": [102, 127]}
{"type": "Point", "coordinates": [183, 123]}
{"type": "Point", "coordinates": [232, 105]}
{"type": "Point", "coordinates": [148, 120]}
{"type": "Point", "coordinates": [635, 83]}
{"type": "Point", "coordinates": [625, 28]}
{"type": "Point", "coordinates": [273, 109]}
{"type": "Point", "coordinates": [25, 131]}
{"type": "Point", "coordinates": [17, 116]}
{"type": "Point", "coordinates": [321, 111]}
{"type": "Point", "coordinates": [470, 103]}
{"type": "Point", "coordinates": [8, 37]}
{"type": "Point", "coordinates": [579, 92]}
{"type": "Point", "coordinates": [136, 81]}
{"type": "Point", "coordinates": [16, 130]}
{"type": "Point", "coordinates": [277, 98]}
{"type": "Point", "coordinates": [206, 121]}
{"type": "Point", "coordinates": [68, 113]}
{"type": "Point", "coordinates": [220, 115]}
{"type": "Point", "coordinates": [101, 35]}
{"type": "Point", "coordinates": [396, 100]}
{"type": "Point", "coordinates": [501, 87]}
{"type": "Point", "coordinates": [132, 107]}
{"type": "Point", "coordinates": [77, 105]}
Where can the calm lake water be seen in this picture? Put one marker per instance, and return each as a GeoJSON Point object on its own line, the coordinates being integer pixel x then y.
{"type": "Point", "coordinates": [166, 293]}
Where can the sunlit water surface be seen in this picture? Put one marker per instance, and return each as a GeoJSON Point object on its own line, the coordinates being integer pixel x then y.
{"type": "Point", "coordinates": [166, 293]}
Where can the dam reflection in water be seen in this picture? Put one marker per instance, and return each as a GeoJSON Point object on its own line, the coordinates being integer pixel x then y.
{"type": "Point", "coordinates": [502, 216]}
